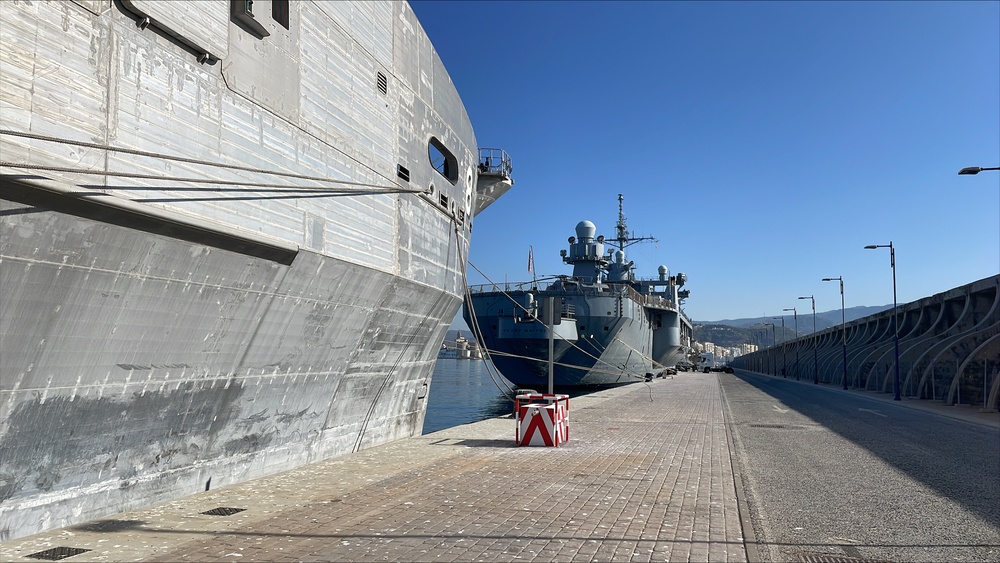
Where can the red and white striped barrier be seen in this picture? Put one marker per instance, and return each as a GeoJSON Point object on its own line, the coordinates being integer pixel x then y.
{"type": "Point", "coordinates": [541, 423]}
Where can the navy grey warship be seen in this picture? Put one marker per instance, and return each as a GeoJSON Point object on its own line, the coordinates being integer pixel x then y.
{"type": "Point", "coordinates": [233, 235]}
{"type": "Point", "coordinates": [608, 327]}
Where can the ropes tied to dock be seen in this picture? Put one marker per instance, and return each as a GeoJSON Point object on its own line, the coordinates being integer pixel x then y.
{"type": "Point", "coordinates": [421, 329]}
{"type": "Point", "coordinates": [653, 362]}
{"type": "Point", "coordinates": [615, 371]}
{"type": "Point", "coordinates": [600, 366]}
{"type": "Point", "coordinates": [497, 378]}
{"type": "Point", "coordinates": [297, 191]}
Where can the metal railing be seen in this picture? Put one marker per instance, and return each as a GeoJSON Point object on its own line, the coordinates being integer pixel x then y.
{"type": "Point", "coordinates": [607, 291]}
{"type": "Point", "coordinates": [495, 162]}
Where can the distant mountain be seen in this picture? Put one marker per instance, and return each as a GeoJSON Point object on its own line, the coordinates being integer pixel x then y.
{"type": "Point", "coordinates": [734, 332]}
{"type": "Point", "coordinates": [823, 320]}
{"type": "Point", "coordinates": [728, 336]}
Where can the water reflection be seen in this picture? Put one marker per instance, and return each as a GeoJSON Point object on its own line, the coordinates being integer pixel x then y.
{"type": "Point", "coordinates": [462, 392]}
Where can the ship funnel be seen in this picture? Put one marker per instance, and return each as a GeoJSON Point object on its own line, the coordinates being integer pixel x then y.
{"type": "Point", "coordinates": [662, 270]}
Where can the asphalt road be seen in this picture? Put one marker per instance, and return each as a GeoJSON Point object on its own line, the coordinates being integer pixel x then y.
{"type": "Point", "coordinates": [830, 475]}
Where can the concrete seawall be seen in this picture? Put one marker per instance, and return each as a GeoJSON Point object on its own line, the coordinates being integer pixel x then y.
{"type": "Point", "coordinates": [949, 349]}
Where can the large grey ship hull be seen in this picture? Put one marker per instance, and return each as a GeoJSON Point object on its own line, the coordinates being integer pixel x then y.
{"type": "Point", "coordinates": [223, 254]}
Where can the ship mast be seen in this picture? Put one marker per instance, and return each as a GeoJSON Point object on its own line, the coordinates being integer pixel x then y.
{"type": "Point", "coordinates": [623, 239]}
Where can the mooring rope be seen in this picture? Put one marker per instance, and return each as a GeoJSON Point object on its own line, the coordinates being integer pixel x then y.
{"type": "Point", "coordinates": [609, 370]}
{"type": "Point", "coordinates": [374, 188]}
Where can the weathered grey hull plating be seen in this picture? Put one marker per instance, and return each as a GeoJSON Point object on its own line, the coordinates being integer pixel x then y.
{"type": "Point", "coordinates": [163, 332]}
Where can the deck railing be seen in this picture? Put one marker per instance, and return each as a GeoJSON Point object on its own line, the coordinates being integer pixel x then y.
{"type": "Point", "coordinates": [495, 162]}
{"type": "Point", "coordinates": [588, 291]}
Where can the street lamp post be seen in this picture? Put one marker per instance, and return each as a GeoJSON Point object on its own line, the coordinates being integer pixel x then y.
{"type": "Point", "coordinates": [795, 315]}
{"type": "Point", "coordinates": [784, 359]}
{"type": "Point", "coordinates": [843, 324]}
{"type": "Point", "coordinates": [762, 360]}
{"type": "Point", "coordinates": [895, 326]}
{"type": "Point", "coordinates": [815, 344]}
{"type": "Point", "coordinates": [765, 367]}
{"type": "Point", "coordinates": [759, 336]}
{"type": "Point", "coordinates": [770, 351]}
{"type": "Point", "coordinates": [974, 170]}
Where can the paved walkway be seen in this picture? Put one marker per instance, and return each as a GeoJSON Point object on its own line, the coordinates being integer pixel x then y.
{"type": "Point", "coordinates": [646, 476]}
{"type": "Point", "coordinates": [966, 413]}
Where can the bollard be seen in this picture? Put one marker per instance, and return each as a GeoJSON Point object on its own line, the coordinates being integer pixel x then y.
{"type": "Point", "coordinates": [539, 423]}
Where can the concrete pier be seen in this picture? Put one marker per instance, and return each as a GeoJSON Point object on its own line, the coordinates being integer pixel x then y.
{"type": "Point", "coordinates": [645, 476]}
{"type": "Point", "coordinates": [648, 475]}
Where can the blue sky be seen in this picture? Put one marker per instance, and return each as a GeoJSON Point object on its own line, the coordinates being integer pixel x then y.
{"type": "Point", "coordinates": [764, 144]}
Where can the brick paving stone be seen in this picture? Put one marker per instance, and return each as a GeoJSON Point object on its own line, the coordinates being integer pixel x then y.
{"type": "Point", "coordinates": [646, 476]}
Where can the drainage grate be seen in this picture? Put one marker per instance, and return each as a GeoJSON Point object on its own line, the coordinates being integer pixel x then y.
{"type": "Point", "coordinates": [834, 558]}
{"type": "Point", "coordinates": [768, 426]}
{"type": "Point", "coordinates": [57, 553]}
{"type": "Point", "coordinates": [223, 511]}
{"type": "Point", "coordinates": [109, 525]}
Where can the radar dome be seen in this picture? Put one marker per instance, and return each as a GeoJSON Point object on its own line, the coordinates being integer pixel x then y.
{"type": "Point", "coordinates": [585, 230]}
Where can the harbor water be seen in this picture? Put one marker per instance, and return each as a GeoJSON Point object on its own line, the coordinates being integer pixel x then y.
{"type": "Point", "coordinates": [462, 392]}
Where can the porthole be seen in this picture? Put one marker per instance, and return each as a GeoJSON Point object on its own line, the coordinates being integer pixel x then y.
{"type": "Point", "coordinates": [442, 160]}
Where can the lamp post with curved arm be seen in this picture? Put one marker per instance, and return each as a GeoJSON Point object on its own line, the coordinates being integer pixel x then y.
{"type": "Point", "coordinates": [759, 352]}
{"type": "Point", "coordinates": [895, 326]}
{"type": "Point", "coordinates": [815, 363]}
{"type": "Point", "coordinates": [762, 341]}
{"type": "Point", "coordinates": [784, 359]}
{"type": "Point", "coordinates": [974, 170]}
{"type": "Point", "coordinates": [795, 315]}
{"type": "Point", "coordinates": [843, 324]}
{"type": "Point", "coordinates": [770, 351]}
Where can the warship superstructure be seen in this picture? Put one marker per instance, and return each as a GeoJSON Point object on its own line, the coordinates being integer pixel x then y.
{"type": "Point", "coordinates": [608, 327]}
{"type": "Point", "coordinates": [232, 238]}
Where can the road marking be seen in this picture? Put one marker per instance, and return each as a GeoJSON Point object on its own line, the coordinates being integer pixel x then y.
{"type": "Point", "coordinates": [777, 408]}
{"type": "Point", "coordinates": [874, 412]}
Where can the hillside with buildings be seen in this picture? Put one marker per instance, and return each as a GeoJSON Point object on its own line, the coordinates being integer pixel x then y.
{"type": "Point", "coordinates": [729, 338]}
